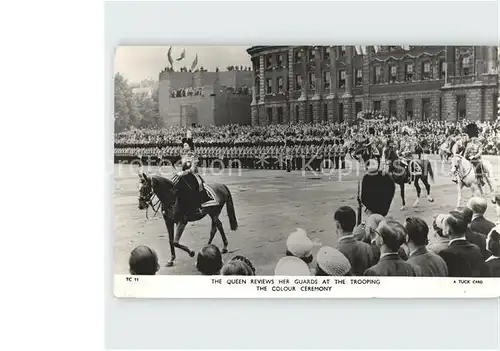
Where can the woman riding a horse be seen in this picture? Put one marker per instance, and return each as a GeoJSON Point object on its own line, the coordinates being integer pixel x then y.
{"type": "Point", "coordinates": [188, 183]}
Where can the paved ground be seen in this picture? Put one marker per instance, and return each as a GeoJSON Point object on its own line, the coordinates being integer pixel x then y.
{"type": "Point", "coordinates": [269, 205]}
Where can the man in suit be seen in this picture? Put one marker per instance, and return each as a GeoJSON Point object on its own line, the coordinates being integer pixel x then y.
{"type": "Point", "coordinates": [370, 230]}
{"type": "Point", "coordinates": [390, 235]}
{"type": "Point", "coordinates": [479, 224]}
{"type": "Point", "coordinates": [493, 246]}
{"type": "Point", "coordinates": [474, 238]}
{"type": "Point", "coordinates": [357, 252]}
{"type": "Point", "coordinates": [431, 265]}
{"type": "Point", "coordinates": [462, 258]}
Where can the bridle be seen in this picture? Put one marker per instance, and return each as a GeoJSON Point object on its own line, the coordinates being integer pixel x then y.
{"type": "Point", "coordinates": [149, 201]}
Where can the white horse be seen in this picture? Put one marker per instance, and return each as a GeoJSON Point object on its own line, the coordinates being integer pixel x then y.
{"type": "Point", "coordinates": [466, 175]}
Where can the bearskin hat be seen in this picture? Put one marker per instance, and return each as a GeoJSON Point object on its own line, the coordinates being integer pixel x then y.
{"type": "Point", "coordinates": [189, 142]}
{"type": "Point", "coordinates": [371, 131]}
{"type": "Point", "coordinates": [472, 130]}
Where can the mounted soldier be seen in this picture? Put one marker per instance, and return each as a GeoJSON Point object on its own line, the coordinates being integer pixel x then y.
{"type": "Point", "coordinates": [474, 151]}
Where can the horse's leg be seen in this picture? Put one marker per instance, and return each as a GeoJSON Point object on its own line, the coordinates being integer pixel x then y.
{"type": "Point", "coordinates": [178, 235]}
{"type": "Point", "coordinates": [170, 228]}
{"type": "Point", "coordinates": [459, 196]}
{"type": "Point", "coordinates": [418, 189]}
{"type": "Point", "coordinates": [425, 180]}
{"type": "Point", "coordinates": [213, 230]}
{"type": "Point", "coordinates": [402, 191]}
{"type": "Point", "coordinates": [222, 233]}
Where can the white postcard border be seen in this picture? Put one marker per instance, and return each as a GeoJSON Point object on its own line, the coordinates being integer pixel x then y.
{"type": "Point", "coordinates": [215, 287]}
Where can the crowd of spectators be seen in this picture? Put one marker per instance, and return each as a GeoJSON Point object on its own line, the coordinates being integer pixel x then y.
{"type": "Point", "coordinates": [461, 243]}
{"type": "Point", "coordinates": [187, 92]}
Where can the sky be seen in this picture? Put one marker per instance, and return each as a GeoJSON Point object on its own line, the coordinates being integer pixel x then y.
{"type": "Point", "coordinates": [145, 62]}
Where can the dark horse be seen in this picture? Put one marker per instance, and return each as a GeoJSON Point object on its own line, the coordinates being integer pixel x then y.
{"type": "Point", "coordinates": [365, 154]}
{"type": "Point", "coordinates": [410, 171]}
{"type": "Point", "coordinates": [164, 189]}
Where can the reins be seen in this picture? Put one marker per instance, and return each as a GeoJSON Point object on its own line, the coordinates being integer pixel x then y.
{"type": "Point", "coordinates": [156, 206]}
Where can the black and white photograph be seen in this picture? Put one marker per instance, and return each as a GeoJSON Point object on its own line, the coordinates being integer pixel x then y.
{"type": "Point", "coordinates": [296, 163]}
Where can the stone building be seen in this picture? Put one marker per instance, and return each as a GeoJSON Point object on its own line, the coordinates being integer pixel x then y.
{"type": "Point", "coordinates": [333, 83]}
{"type": "Point", "coordinates": [204, 97]}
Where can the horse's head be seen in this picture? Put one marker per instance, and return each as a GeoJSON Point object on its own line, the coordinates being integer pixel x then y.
{"type": "Point", "coordinates": [145, 191]}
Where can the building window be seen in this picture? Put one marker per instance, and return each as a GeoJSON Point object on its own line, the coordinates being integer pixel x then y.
{"type": "Point", "coordinates": [281, 60]}
{"type": "Point", "coordinates": [310, 113]}
{"type": "Point", "coordinates": [341, 79]}
{"type": "Point", "coordinates": [269, 86]}
{"type": "Point", "coordinates": [377, 75]}
{"type": "Point", "coordinates": [340, 107]}
{"type": "Point", "coordinates": [257, 86]}
{"type": "Point", "coordinates": [312, 54]}
{"type": "Point", "coordinates": [426, 71]}
{"type": "Point", "coordinates": [298, 82]}
{"type": "Point", "coordinates": [377, 105]}
{"type": "Point", "coordinates": [326, 53]}
{"type": "Point", "coordinates": [461, 107]}
{"type": "Point", "coordinates": [426, 109]}
{"type": "Point", "coordinates": [466, 66]}
{"type": "Point", "coordinates": [409, 72]}
{"type": "Point", "coordinates": [312, 80]}
{"type": "Point", "coordinates": [326, 79]}
{"type": "Point", "coordinates": [394, 74]}
{"type": "Point", "coordinates": [298, 55]}
{"type": "Point", "coordinates": [442, 70]}
{"type": "Point", "coordinates": [358, 107]}
{"type": "Point", "coordinates": [269, 114]}
{"type": "Point", "coordinates": [280, 85]}
{"type": "Point", "coordinates": [393, 112]}
{"type": "Point", "coordinates": [269, 61]}
{"type": "Point", "coordinates": [495, 106]}
{"type": "Point", "coordinates": [297, 114]}
{"type": "Point", "coordinates": [409, 108]}
{"type": "Point", "coordinates": [359, 77]}
{"type": "Point", "coordinates": [325, 112]}
{"type": "Point", "coordinates": [280, 115]}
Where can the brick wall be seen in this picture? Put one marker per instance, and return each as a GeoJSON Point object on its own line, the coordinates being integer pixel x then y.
{"type": "Point", "coordinates": [474, 103]}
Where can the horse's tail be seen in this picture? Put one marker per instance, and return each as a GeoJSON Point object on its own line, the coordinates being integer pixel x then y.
{"type": "Point", "coordinates": [431, 172]}
{"type": "Point", "coordinates": [233, 222]}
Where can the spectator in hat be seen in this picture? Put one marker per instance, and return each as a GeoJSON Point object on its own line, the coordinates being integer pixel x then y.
{"type": "Point", "coordinates": [493, 246]}
{"type": "Point", "coordinates": [357, 252]}
{"type": "Point", "coordinates": [462, 258]}
{"type": "Point", "coordinates": [474, 238]}
{"type": "Point", "coordinates": [299, 245]}
{"type": "Point", "coordinates": [291, 266]}
{"type": "Point", "coordinates": [237, 267]}
{"type": "Point", "coordinates": [143, 261]}
{"type": "Point", "coordinates": [390, 235]}
{"type": "Point", "coordinates": [430, 264]}
{"type": "Point", "coordinates": [479, 224]}
{"type": "Point", "coordinates": [441, 242]}
{"type": "Point", "coordinates": [331, 262]}
{"type": "Point", "coordinates": [209, 260]}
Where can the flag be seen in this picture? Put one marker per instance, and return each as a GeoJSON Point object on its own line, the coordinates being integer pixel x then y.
{"type": "Point", "coordinates": [183, 54]}
{"type": "Point", "coordinates": [169, 54]}
{"type": "Point", "coordinates": [195, 62]}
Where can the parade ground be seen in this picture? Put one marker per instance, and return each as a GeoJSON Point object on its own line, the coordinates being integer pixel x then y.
{"type": "Point", "coordinates": [269, 205]}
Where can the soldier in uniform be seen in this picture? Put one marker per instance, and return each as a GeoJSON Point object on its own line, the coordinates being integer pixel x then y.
{"type": "Point", "coordinates": [474, 151]}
